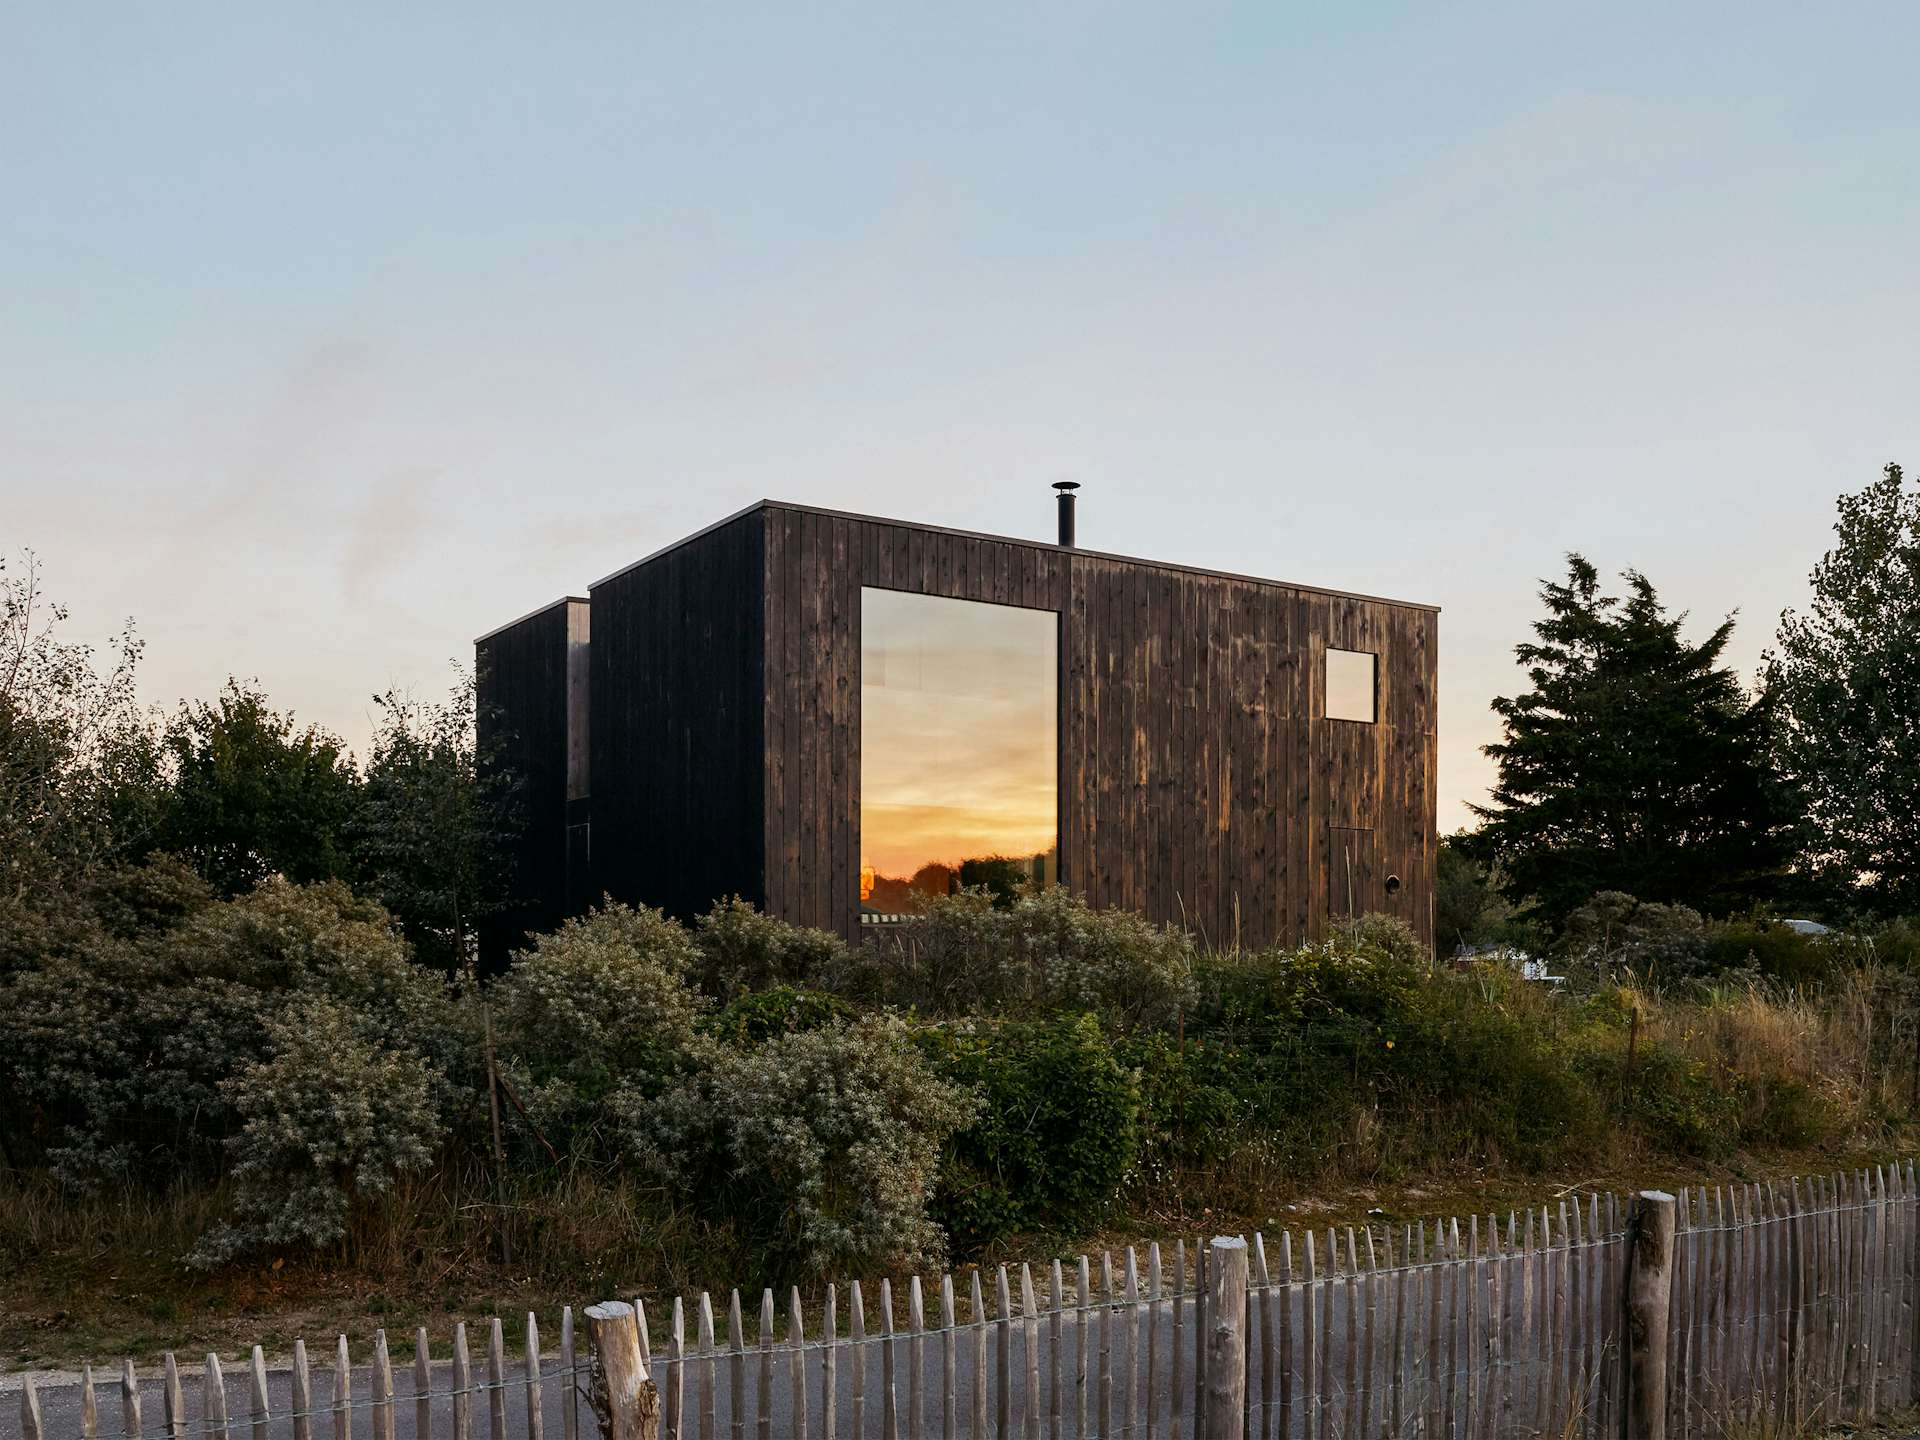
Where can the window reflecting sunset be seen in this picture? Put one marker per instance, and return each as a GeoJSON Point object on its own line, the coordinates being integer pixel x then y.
{"type": "Point", "coordinates": [959, 754]}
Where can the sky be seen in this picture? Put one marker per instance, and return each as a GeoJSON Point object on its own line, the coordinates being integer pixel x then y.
{"type": "Point", "coordinates": [332, 336]}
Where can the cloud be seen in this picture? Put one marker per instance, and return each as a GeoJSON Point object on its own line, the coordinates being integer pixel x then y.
{"type": "Point", "coordinates": [388, 530]}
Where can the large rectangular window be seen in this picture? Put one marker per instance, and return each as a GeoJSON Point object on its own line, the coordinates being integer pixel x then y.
{"type": "Point", "coordinates": [959, 748]}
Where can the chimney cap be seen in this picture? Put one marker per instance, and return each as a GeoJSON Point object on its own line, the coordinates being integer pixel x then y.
{"type": "Point", "coordinates": [1065, 485]}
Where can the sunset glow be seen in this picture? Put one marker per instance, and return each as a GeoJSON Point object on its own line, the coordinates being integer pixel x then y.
{"type": "Point", "coordinates": [958, 741]}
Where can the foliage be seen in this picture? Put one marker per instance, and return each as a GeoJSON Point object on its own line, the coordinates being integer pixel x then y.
{"type": "Point", "coordinates": [1769, 949]}
{"type": "Point", "coordinates": [1000, 876]}
{"type": "Point", "coordinates": [1614, 933]}
{"type": "Point", "coordinates": [78, 760]}
{"type": "Point", "coordinates": [1056, 1133]}
{"type": "Point", "coordinates": [430, 831]}
{"type": "Point", "coordinates": [755, 1016]}
{"type": "Point", "coordinates": [1635, 763]}
{"type": "Point", "coordinates": [1388, 937]}
{"type": "Point", "coordinates": [742, 949]}
{"type": "Point", "coordinates": [819, 1146]}
{"type": "Point", "coordinates": [602, 1002]}
{"type": "Point", "coordinates": [120, 1051]}
{"type": "Point", "coordinates": [333, 1114]}
{"type": "Point", "coordinates": [1469, 909]}
{"type": "Point", "coordinates": [1845, 679]}
{"type": "Point", "coordinates": [1047, 950]}
{"type": "Point", "coordinates": [254, 794]}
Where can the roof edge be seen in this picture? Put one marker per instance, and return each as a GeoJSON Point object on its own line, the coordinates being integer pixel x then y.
{"type": "Point", "coordinates": [799, 508]}
{"type": "Point", "coordinates": [552, 605]}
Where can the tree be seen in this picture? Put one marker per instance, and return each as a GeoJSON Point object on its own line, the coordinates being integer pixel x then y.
{"type": "Point", "coordinates": [1468, 908]}
{"type": "Point", "coordinates": [1636, 763]}
{"type": "Point", "coordinates": [431, 833]}
{"type": "Point", "coordinates": [255, 795]}
{"type": "Point", "coordinates": [1846, 678]}
{"type": "Point", "coordinates": [78, 760]}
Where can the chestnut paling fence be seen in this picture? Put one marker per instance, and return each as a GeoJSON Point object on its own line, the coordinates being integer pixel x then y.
{"type": "Point", "coordinates": [1790, 1304]}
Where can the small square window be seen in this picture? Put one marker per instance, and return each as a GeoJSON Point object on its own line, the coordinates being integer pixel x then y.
{"type": "Point", "coordinates": [1350, 685]}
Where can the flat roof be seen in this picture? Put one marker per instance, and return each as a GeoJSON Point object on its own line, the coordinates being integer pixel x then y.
{"type": "Point", "coordinates": [759, 505]}
{"type": "Point", "coordinates": [539, 610]}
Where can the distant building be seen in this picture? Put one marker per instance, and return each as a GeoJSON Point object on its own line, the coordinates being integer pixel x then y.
{"type": "Point", "coordinates": [832, 714]}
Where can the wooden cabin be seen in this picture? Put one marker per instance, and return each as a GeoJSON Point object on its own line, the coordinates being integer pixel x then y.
{"type": "Point", "coordinates": [831, 714]}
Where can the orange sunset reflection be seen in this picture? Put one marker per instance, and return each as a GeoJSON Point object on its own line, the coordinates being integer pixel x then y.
{"type": "Point", "coordinates": [959, 710]}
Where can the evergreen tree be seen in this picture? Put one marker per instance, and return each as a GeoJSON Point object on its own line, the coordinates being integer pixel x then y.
{"type": "Point", "coordinates": [1846, 677]}
{"type": "Point", "coordinates": [1637, 763]}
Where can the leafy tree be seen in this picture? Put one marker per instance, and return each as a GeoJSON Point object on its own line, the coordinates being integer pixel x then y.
{"type": "Point", "coordinates": [253, 794]}
{"type": "Point", "coordinates": [78, 759]}
{"type": "Point", "coordinates": [1467, 905]}
{"type": "Point", "coordinates": [1846, 678]}
{"type": "Point", "coordinates": [1636, 763]}
{"type": "Point", "coordinates": [431, 830]}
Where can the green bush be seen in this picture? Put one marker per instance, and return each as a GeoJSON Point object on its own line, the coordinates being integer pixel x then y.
{"type": "Point", "coordinates": [1773, 950]}
{"type": "Point", "coordinates": [742, 949]}
{"type": "Point", "coordinates": [1673, 1100]}
{"type": "Point", "coordinates": [819, 1147]}
{"type": "Point", "coordinates": [1057, 1131]}
{"type": "Point", "coordinates": [605, 995]}
{"type": "Point", "coordinates": [1613, 934]}
{"type": "Point", "coordinates": [1196, 1099]}
{"type": "Point", "coordinates": [334, 1115]}
{"type": "Point", "coordinates": [758, 1016]}
{"type": "Point", "coordinates": [602, 1003]}
{"type": "Point", "coordinates": [1046, 951]}
{"type": "Point", "coordinates": [120, 1051]}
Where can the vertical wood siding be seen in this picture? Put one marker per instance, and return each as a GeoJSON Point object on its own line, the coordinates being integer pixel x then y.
{"type": "Point", "coordinates": [679, 729]}
{"type": "Point", "coordinates": [521, 687]}
{"type": "Point", "coordinates": [1198, 781]}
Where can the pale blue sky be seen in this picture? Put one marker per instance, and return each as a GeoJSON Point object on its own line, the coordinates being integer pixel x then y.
{"type": "Point", "coordinates": [331, 337]}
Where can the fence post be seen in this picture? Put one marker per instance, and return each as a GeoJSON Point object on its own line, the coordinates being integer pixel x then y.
{"type": "Point", "coordinates": [1227, 1341]}
{"type": "Point", "coordinates": [1649, 1293]}
{"type": "Point", "coordinates": [625, 1398]}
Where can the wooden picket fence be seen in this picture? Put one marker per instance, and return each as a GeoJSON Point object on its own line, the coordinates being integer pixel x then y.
{"type": "Point", "coordinates": [1792, 1304]}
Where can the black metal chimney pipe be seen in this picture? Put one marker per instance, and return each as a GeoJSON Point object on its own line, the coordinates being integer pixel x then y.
{"type": "Point", "coordinates": [1066, 489]}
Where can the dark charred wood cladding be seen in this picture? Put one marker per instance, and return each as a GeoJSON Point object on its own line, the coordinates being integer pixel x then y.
{"type": "Point", "coordinates": [522, 674]}
{"type": "Point", "coordinates": [1200, 781]}
{"type": "Point", "coordinates": [678, 724]}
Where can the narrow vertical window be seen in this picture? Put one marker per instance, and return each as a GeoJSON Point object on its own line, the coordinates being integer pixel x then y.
{"type": "Point", "coordinates": [1350, 685]}
{"type": "Point", "coordinates": [959, 755]}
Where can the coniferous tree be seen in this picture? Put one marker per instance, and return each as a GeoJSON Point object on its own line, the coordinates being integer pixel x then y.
{"type": "Point", "coordinates": [1636, 763]}
{"type": "Point", "coordinates": [1846, 677]}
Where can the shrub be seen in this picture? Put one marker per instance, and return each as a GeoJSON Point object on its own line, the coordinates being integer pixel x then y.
{"type": "Point", "coordinates": [1195, 1099]}
{"type": "Point", "coordinates": [335, 1114]}
{"type": "Point", "coordinates": [122, 1049]}
{"type": "Point", "coordinates": [819, 1147]}
{"type": "Point", "coordinates": [758, 1016]}
{"type": "Point", "coordinates": [1047, 950]}
{"type": "Point", "coordinates": [1386, 937]}
{"type": "Point", "coordinates": [1253, 994]}
{"type": "Point", "coordinates": [1613, 933]}
{"type": "Point", "coordinates": [320, 939]}
{"type": "Point", "coordinates": [605, 995]}
{"type": "Point", "coordinates": [1056, 1133]}
{"type": "Point", "coordinates": [1775, 951]}
{"type": "Point", "coordinates": [742, 949]}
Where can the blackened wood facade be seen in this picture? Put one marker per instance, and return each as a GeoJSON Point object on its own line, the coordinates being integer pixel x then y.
{"type": "Point", "coordinates": [1200, 781]}
{"type": "Point", "coordinates": [531, 720]}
